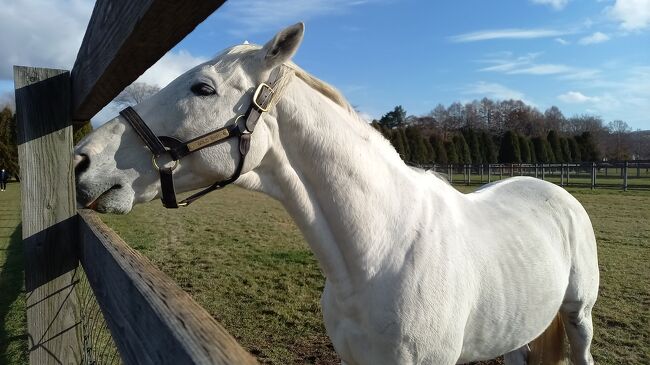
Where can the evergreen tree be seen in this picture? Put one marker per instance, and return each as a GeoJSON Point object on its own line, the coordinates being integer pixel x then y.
{"type": "Point", "coordinates": [8, 147]}
{"type": "Point", "coordinates": [533, 155]}
{"type": "Point", "coordinates": [588, 149]}
{"type": "Point", "coordinates": [431, 152]}
{"type": "Point", "coordinates": [394, 118]}
{"type": "Point", "coordinates": [575, 149]}
{"type": "Point", "coordinates": [417, 147]}
{"type": "Point", "coordinates": [549, 151]}
{"type": "Point", "coordinates": [401, 135]}
{"type": "Point", "coordinates": [462, 148]}
{"type": "Point", "coordinates": [452, 154]}
{"type": "Point", "coordinates": [566, 151]}
{"type": "Point", "coordinates": [474, 145]}
{"type": "Point", "coordinates": [524, 149]}
{"type": "Point", "coordinates": [509, 151]}
{"type": "Point", "coordinates": [541, 153]}
{"type": "Point", "coordinates": [489, 148]}
{"type": "Point", "coordinates": [440, 152]}
{"type": "Point", "coordinates": [556, 147]}
{"type": "Point", "coordinates": [397, 142]}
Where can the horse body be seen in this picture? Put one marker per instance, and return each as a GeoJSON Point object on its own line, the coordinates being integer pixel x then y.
{"type": "Point", "coordinates": [416, 271]}
{"type": "Point", "coordinates": [425, 268]}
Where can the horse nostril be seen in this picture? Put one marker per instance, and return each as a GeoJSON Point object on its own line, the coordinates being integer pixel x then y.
{"type": "Point", "coordinates": [81, 163]}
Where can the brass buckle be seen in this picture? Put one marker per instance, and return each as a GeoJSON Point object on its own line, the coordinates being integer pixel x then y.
{"type": "Point", "coordinates": [155, 163]}
{"type": "Point", "coordinates": [257, 94]}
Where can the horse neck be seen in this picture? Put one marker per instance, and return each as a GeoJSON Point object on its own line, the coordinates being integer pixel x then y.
{"type": "Point", "coordinates": [343, 184]}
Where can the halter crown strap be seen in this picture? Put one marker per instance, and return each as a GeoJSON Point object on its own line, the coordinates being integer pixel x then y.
{"type": "Point", "coordinates": [263, 99]}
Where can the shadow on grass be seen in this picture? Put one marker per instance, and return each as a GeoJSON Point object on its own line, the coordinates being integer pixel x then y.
{"type": "Point", "coordinates": [11, 287]}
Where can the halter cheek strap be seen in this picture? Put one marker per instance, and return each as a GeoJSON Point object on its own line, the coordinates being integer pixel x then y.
{"type": "Point", "coordinates": [262, 100]}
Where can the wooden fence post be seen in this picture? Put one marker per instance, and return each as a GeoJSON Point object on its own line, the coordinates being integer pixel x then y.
{"type": "Point", "coordinates": [561, 174]}
{"type": "Point", "coordinates": [44, 137]}
{"type": "Point", "coordinates": [625, 176]}
{"type": "Point", "coordinates": [489, 173]}
{"type": "Point", "coordinates": [543, 172]}
{"type": "Point", "coordinates": [593, 175]}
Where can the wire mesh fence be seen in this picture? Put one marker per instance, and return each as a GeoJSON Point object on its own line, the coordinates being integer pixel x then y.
{"type": "Point", "coordinates": [98, 345]}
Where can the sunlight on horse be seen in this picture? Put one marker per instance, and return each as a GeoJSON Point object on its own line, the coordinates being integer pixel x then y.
{"type": "Point", "coordinates": [417, 272]}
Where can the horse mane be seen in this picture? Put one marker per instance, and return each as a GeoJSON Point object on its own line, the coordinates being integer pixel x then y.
{"type": "Point", "coordinates": [322, 87]}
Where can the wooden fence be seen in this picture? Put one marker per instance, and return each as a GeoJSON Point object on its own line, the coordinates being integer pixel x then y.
{"type": "Point", "coordinates": [151, 319]}
{"type": "Point", "coordinates": [612, 174]}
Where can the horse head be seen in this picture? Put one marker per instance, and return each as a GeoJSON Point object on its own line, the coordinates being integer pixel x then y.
{"type": "Point", "coordinates": [114, 167]}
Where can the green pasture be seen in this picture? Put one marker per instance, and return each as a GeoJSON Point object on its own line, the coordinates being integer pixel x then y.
{"type": "Point", "coordinates": [240, 256]}
{"type": "Point", "coordinates": [13, 342]}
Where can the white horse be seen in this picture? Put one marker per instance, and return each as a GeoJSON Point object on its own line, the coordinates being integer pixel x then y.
{"type": "Point", "coordinates": [417, 272]}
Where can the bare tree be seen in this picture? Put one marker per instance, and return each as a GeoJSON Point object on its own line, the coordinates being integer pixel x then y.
{"type": "Point", "coordinates": [555, 120]}
{"type": "Point", "coordinates": [619, 131]}
{"type": "Point", "coordinates": [135, 94]}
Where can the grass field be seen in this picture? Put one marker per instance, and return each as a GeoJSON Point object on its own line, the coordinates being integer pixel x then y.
{"type": "Point", "coordinates": [240, 256]}
{"type": "Point", "coordinates": [13, 342]}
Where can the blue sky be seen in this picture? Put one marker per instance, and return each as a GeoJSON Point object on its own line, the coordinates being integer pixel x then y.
{"type": "Point", "coordinates": [584, 56]}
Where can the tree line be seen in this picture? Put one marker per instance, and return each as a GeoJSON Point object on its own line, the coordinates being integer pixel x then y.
{"type": "Point", "coordinates": [9, 143]}
{"type": "Point", "coordinates": [507, 131]}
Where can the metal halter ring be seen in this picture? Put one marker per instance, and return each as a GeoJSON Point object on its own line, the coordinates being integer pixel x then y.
{"type": "Point", "coordinates": [155, 164]}
{"type": "Point", "coordinates": [245, 126]}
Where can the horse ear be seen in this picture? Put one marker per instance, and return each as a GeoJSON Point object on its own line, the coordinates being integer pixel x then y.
{"type": "Point", "coordinates": [283, 46]}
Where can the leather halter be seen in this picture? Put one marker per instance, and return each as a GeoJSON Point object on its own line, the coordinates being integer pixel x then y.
{"type": "Point", "coordinates": [262, 100]}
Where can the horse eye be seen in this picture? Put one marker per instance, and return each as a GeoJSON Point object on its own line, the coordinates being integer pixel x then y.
{"type": "Point", "coordinates": [203, 89]}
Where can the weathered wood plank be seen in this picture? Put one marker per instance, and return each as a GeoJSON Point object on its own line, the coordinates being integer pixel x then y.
{"type": "Point", "coordinates": [123, 39]}
{"type": "Point", "coordinates": [48, 214]}
{"type": "Point", "coordinates": [152, 320]}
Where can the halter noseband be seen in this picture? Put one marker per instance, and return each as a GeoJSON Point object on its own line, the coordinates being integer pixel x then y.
{"type": "Point", "coordinates": [263, 98]}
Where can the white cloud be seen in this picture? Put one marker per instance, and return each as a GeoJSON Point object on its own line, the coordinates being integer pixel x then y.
{"type": "Point", "coordinates": [169, 67]}
{"type": "Point", "coordinates": [542, 69]}
{"type": "Point", "coordinates": [48, 33]}
{"type": "Point", "coordinates": [576, 97]}
{"type": "Point", "coordinates": [562, 41]}
{"type": "Point", "coordinates": [484, 35]}
{"type": "Point", "coordinates": [633, 14]}
{"type": "Point", "coordinates": [42, 33]}
{"type": "Point", "coordinates": [555, 4]}
{"type": "Point", "coordinates": [255, 16]}
{"type": "Point", "coordinates": [526, 65]}
{"type": "Point", "coordinates": [596, 37]}
{"type": "Point", "coordinates": [494, 91]}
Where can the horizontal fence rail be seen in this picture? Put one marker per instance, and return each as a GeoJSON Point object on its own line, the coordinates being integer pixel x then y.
{"type": "Point", "coordinates": [152, 320]}
{"type": "Point", "coordinates": [123, 39]}
{"type": "Point", "coordinates": [611, 174]}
